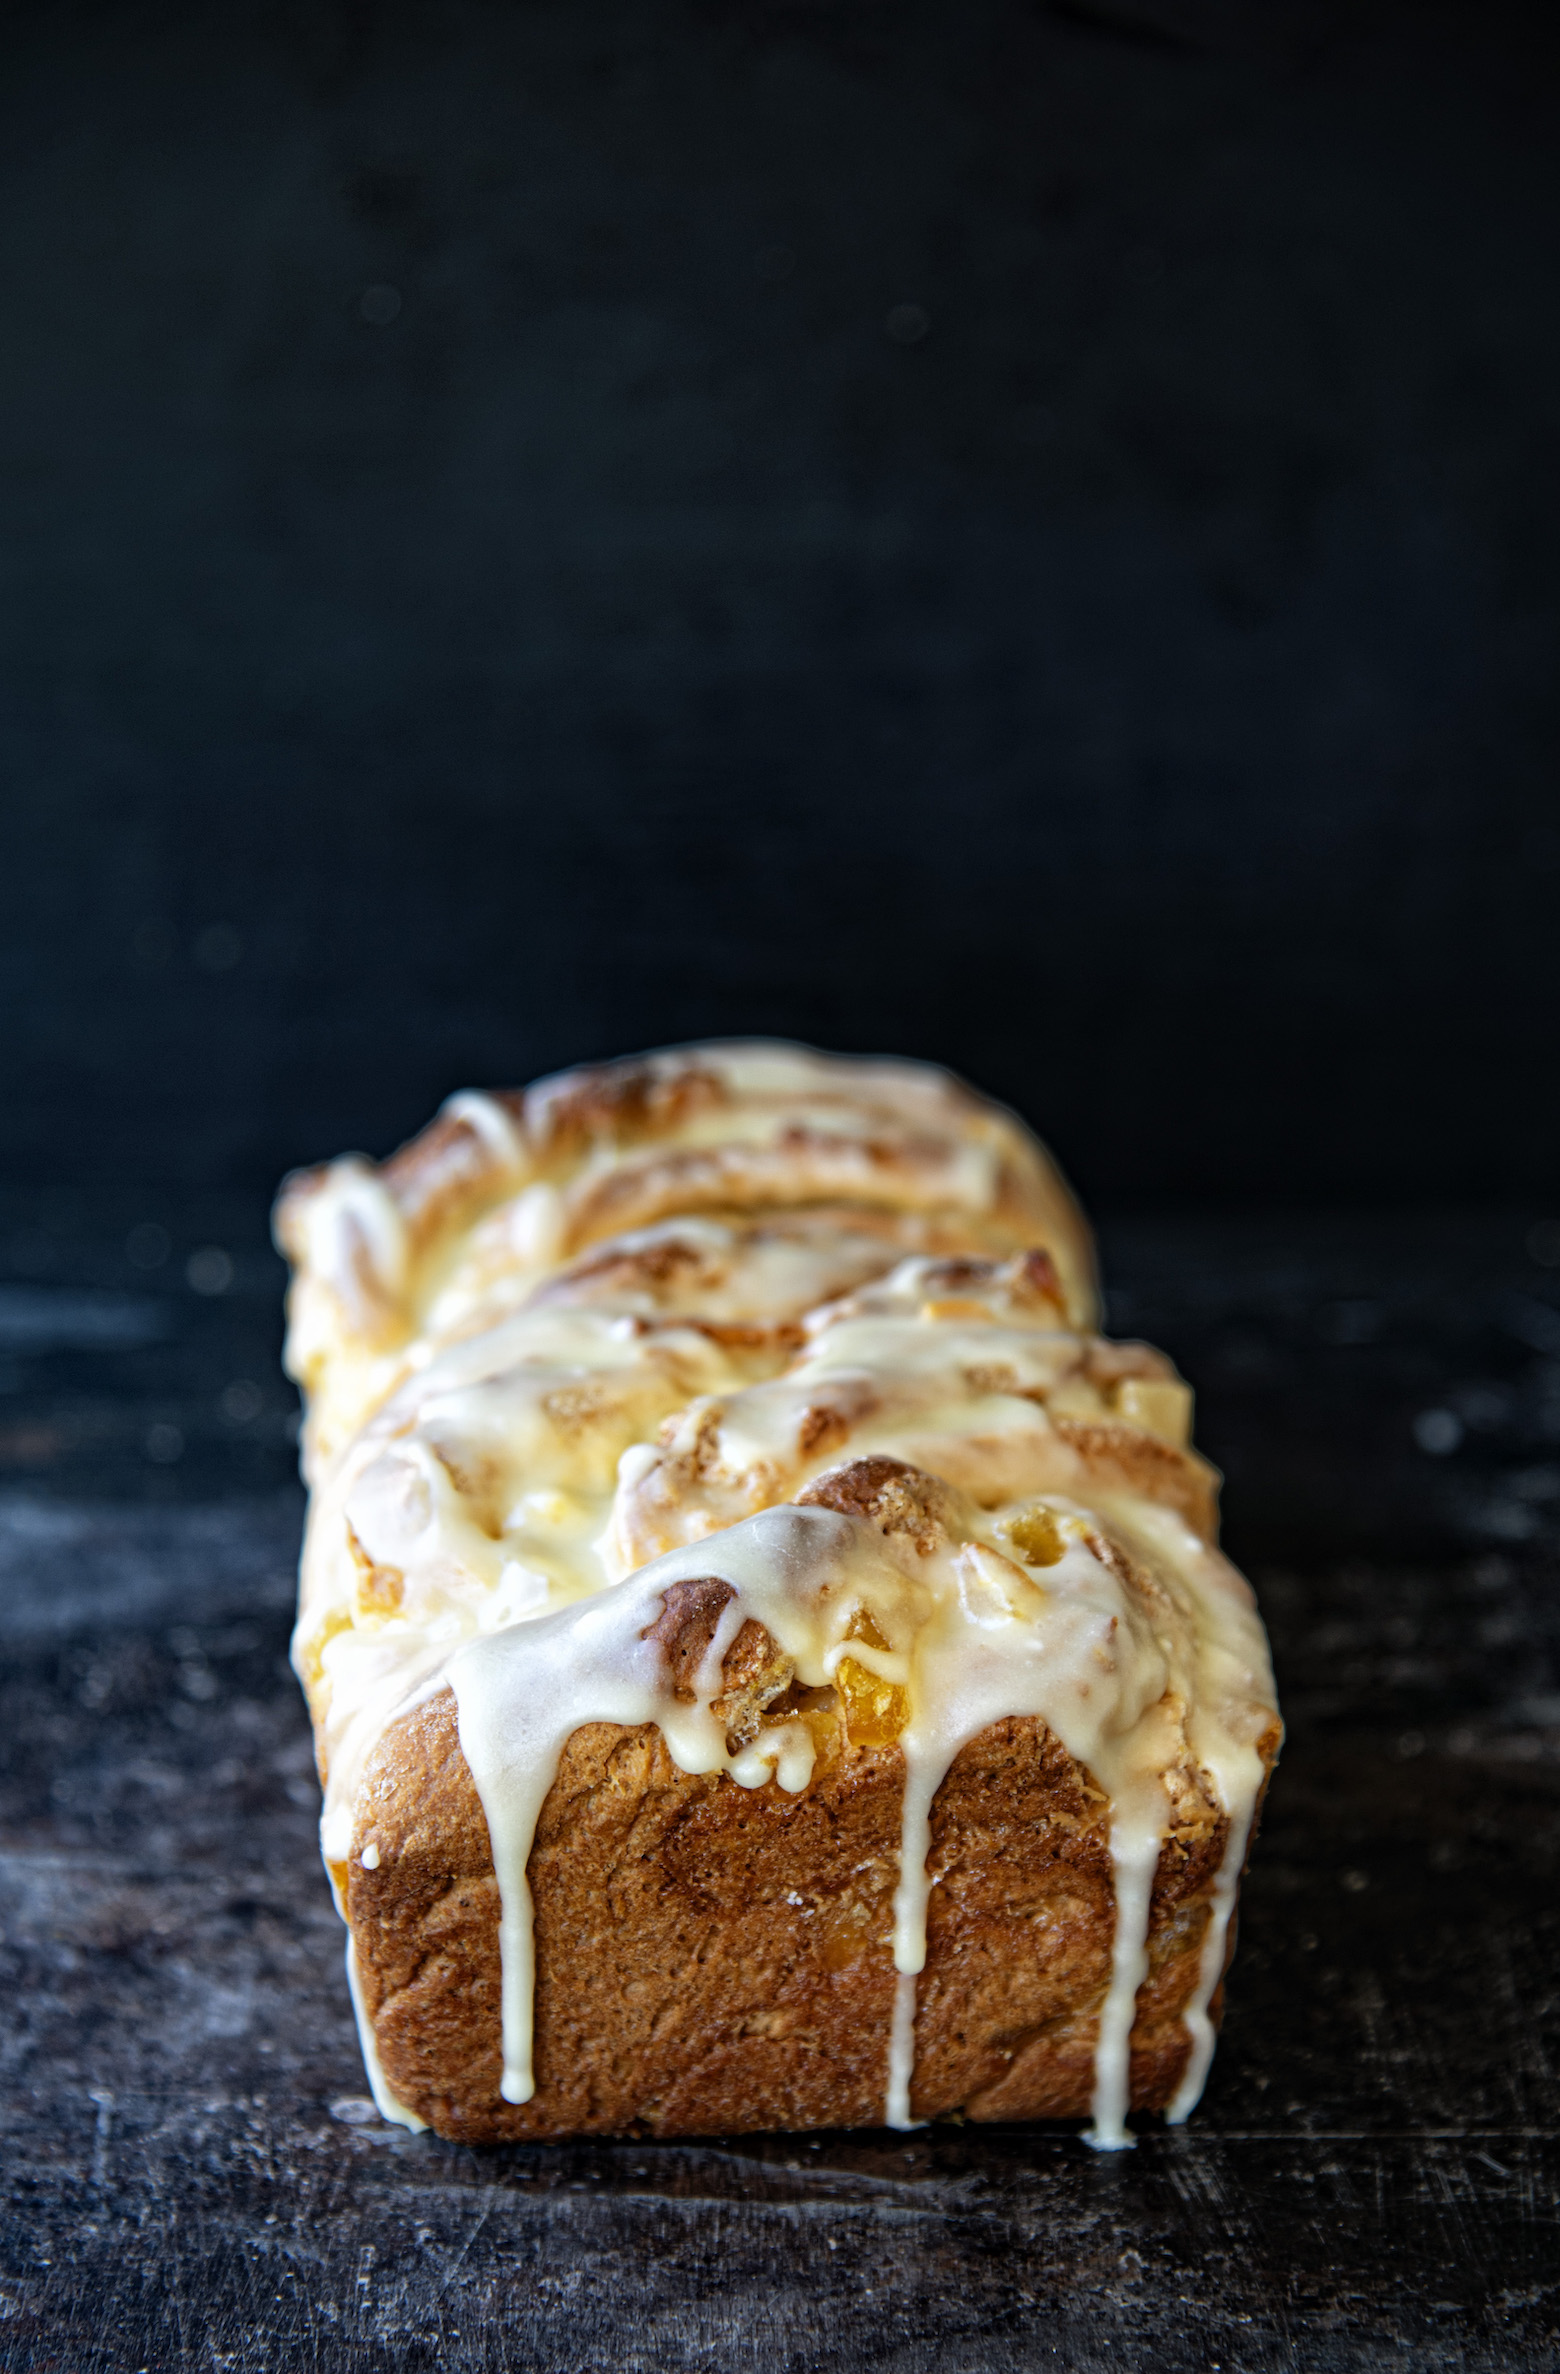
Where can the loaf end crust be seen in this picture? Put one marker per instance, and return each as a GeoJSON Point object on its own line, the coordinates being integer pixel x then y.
{"type": "Point", "coordinates": [713, 1959]}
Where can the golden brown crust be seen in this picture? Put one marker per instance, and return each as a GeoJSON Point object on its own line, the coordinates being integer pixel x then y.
{"type": "Point", "coordinates": [623, 1102]}
{"type": "Point", "coordinates": [889, 1493]}
{"type": "Point", "coordinates": [443, 1175]}
{"type": "Point", "coordinates": [713, 1959]}
{"type": "Point", "coordinates": [1123, 1459]}
{"type": "Point", "coordinates": [442, 1180]}
{"type": "Point", "coordinates": [804, 1167]}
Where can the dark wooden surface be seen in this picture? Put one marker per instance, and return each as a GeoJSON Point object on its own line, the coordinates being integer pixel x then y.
{"type": "Point", "coordinates": [192, 2177]}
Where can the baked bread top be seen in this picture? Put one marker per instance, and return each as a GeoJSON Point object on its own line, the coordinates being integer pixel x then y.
{"type": "Point", "coordinates": [812, 1337]}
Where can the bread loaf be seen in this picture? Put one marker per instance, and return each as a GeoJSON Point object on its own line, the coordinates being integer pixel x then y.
{"type": "Point", "coordinates": [770, 1662]}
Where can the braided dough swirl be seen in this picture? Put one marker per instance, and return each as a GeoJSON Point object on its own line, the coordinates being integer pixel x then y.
{"type": "Point", "coordinates": [714, 1455]}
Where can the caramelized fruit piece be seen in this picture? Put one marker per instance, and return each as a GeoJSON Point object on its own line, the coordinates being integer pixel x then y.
{"type": "Point", "coordinates": [876, 1711]}
{"type": "Point", "coordinates": [1037, 1537]}
{"type": "Point", "coordinates": [853, 1927]}
{"type": "Point", "coordinates": [378, 1588]}
{"type": "Point", "coordinates": [1160, 1405]}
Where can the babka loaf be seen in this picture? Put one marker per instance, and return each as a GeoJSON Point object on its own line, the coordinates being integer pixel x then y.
{"type": "Point", "coordinates": [769, 1658]}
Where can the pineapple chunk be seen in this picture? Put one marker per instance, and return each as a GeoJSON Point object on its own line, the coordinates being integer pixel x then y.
{"type": "Point", "coordinates": [1160, 1405]}
{"type": "Point", "coordinates": [1037, 1537]}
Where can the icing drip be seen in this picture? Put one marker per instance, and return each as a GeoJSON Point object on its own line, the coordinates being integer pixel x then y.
{"type": "Point", "coordinates": [1134, 1855]}
{"type": "Point", "coordinates": [386, 2102]}
{"type": "Point", "coordinates": [1215, 1945]}
{"type": "Point", "coordinates": [901, 2054]}
{"type": "Point", "coordinates": [911, 1897]}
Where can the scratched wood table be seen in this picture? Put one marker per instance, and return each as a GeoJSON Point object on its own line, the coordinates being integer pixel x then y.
{"type": "Point", "coordinates": [193, 2178]}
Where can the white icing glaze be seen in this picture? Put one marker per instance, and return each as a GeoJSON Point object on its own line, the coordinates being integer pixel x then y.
{"type": "Point", "coordinates": [1135, 1841]}
{"type": "Point", "coordinates": [386, 2101]}
{"type": "Point", "coordinates": [354, 1220]}
{"type": "Point", "coordinates": [901, 2053]}
{"type": "Point", "coordinates": [492, 1124]}
{"type": "Point", "coordinates": [1215, 1946]}
{"type": "Point", "coordinates": [502, 1495]}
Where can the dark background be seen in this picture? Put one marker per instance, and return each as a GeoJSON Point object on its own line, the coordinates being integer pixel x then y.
{"type": "Point", "coordinates": [1024, 534]}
